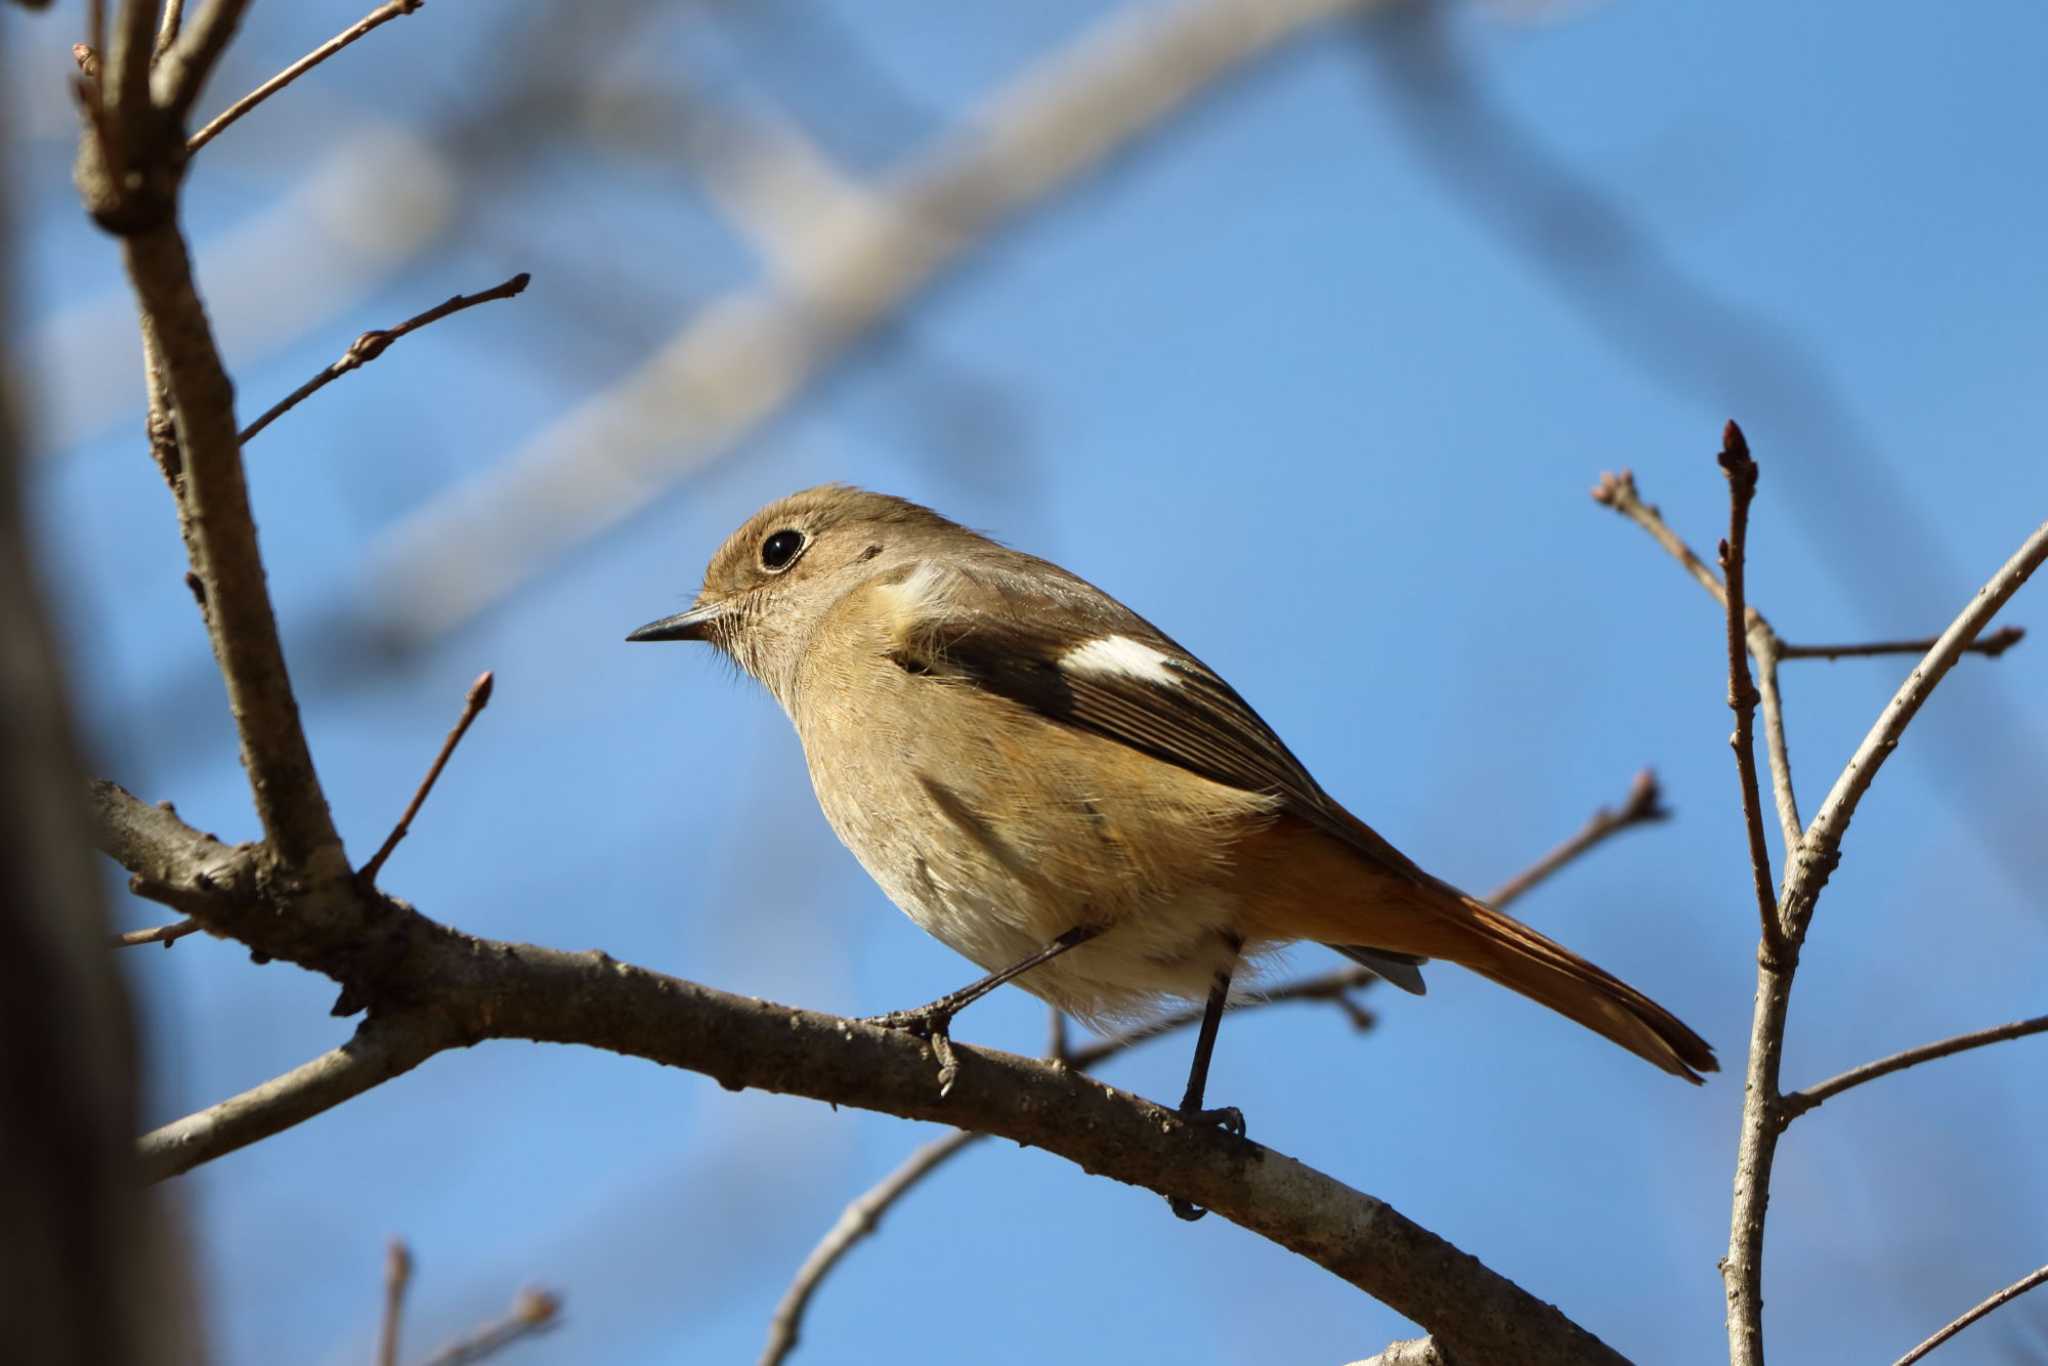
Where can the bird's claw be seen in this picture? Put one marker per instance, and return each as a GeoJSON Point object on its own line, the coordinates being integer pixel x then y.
{"type": "Point", "coordinates": [934, 1024]}
{"type": "Point", "coordinates": [1230, 1120]}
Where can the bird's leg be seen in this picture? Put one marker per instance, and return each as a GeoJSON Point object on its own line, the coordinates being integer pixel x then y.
{"type": "Point", "coordinates": [1229, 1118]}
{"type": "Point", "coordinates": [935, 1020]}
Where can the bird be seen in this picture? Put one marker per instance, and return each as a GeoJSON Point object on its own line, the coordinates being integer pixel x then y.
{"type": "Point", "coordinates": [1057, 790]}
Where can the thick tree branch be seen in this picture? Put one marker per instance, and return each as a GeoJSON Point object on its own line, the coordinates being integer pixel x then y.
{"type": "Point", "coordinates": [863, 1216]}
{"type": "Point", "coordinates": [429, 987]}
{"type": "Point", "coordinates": [222, 536]}
{"type": "Point", "coordinates": [129, 166]}
{"type": "Point", "coordinates": [1413, 1352]}
{"type": "Point", "coordinates": [384, 1047]}
{"type": "Point", "coordinates": [383, 14]}
{"type": "Point", "coordinates": [2003, 1297]}
{"type": "Point", "coordinates": [1799, 1102]}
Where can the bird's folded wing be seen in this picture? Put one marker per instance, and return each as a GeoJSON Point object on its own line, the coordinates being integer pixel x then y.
{"type": "Point", "coordinates": [1109, 672]}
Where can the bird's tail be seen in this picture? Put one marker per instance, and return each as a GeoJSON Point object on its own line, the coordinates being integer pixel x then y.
{"type": "Point", "coordinates": [1502, 948]}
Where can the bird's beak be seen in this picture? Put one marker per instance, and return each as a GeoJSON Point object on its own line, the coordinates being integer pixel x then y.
{"type": "Point", "coordinates": [694, 624]}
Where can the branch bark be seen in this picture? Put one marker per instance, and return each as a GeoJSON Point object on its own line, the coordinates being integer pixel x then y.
{"type": "Point", "coordinates": [131, 160]}
{"type": "Point", "coordinates": [221, 535]}
{"type": "Point", "coordinates": [861, 1218]}
{"type": "Point", "coordinates": [429, 987]}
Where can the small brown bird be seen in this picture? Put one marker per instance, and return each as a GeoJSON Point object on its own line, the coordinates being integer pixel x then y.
{"type": "Point", "coordinates": [1050, 785]}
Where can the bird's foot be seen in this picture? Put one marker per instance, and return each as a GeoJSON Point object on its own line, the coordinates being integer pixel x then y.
{"type": "Point", "coordinates": [1230, 1120]}
{"type": "Point", "coordinates": [934, 1024]}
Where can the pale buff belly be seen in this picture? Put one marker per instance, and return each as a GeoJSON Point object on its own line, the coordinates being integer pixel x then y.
{"type": "Point", "coordinates": [1026, 838]}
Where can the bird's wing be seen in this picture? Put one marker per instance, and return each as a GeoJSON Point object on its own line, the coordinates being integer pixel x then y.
{"type": "Point", "coordinates": [1059, 646]}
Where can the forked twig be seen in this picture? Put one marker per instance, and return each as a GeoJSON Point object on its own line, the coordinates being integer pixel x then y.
{"type": "Point", "coordinates": [1619, 492]}
{"type": "Point", "coordinates": [1811, 853]}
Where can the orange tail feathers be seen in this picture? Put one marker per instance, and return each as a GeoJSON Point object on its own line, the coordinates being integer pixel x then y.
{"type": "Point", "coordinates": [1355, 889]}
{"type": "Point", "coordinates": [1505, 950]}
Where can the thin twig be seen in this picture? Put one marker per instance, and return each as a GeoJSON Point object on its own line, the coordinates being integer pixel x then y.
{"type": "Point", "coordinates": [1799, 1102]}
{"type": "Point", "coordinates": [533, 1312]}
{"type": "Point", "coordinates": [383, 14]}
{"type": "Point", "coordinates": [1741, 470]}
{"type": "Point", "coordinates": [182, 68]}
{"type": "Point", "coordinates": [165, 935]}
{"type": "Point", "coordinates": [2005, 1296]}
{"type": "Point", "coordinates": [1618, 491]}
{"type": "Point", "coordinates": [863, 1216]}
{"type": "Point", "coordinates": [857, 1221]}
{"type": "Point", "coordinates": [397, 1277]}
{"type": "Point", "coordinates": [1990, 646]}
{"type": "Point", "coordinates": [1645, 802]}
{"type": "Point", "coordinates": [167, 29]}
{"type": "Point", "coordinates": [1767, 650]}
{"type": "Point", "coordinates": [478, 698]}
{"type": "Point", "coordinates": [1820, 851]}
{"type": "Point", "coordinates": [371, 345]}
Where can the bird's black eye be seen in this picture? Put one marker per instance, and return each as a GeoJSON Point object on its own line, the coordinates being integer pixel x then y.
{"type": "Point", "coordinates": [780, 549]}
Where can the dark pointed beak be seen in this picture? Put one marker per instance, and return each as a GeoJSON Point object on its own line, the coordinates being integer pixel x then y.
{"type": "Point", "coordinates": [694, 624]}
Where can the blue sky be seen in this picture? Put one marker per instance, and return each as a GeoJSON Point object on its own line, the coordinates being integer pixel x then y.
{"type": "Point", "coordinates": [1316, 377]}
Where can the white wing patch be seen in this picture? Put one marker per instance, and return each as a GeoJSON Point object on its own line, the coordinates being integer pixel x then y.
{"type": "Point", "coordinates": [1122, 657]}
